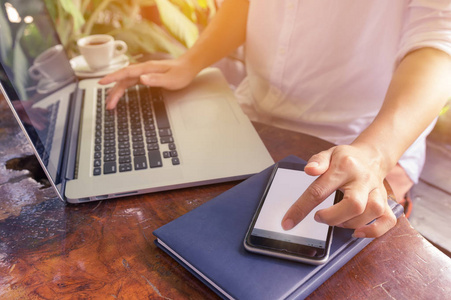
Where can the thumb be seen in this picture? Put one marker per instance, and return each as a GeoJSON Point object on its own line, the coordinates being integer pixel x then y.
{"type": "Point", "coordinates": [319, 163]}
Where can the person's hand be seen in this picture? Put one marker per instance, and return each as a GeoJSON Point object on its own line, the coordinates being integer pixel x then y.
{"type": "Point", "coordinates": [169, 74]}
{"type": "Point", "coordinates": [358, 175]}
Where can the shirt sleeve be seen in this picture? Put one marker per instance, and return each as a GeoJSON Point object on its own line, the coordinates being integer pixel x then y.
{"type": "Point", "coordinates": [428, 24]}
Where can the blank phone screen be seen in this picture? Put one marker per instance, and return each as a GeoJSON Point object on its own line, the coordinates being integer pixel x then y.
{"type": "Point", "coordinates": [287, 186]}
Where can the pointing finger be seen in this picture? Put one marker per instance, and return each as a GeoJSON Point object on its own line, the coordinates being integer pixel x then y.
{"type": "Point", "coordinates": [313, 195]}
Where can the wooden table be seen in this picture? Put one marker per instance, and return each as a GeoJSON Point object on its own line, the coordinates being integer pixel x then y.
{"type": "Point", "coordinates": [105, 250]}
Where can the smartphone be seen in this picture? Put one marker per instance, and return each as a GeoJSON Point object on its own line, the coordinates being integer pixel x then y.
{"type": "Point", "coordinates": [307, 242]}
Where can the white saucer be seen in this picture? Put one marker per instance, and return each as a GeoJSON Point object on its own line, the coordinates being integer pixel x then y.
{"type": "Point", "coordinates": [46, 86]}
{"type": "Point", "coordinates": [82, 69]}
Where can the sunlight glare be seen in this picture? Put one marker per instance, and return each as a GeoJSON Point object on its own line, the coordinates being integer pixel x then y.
{"type": "Point", "coordinates": [12, 13]}
{"type": "Point", "coordinates": [28, 19]}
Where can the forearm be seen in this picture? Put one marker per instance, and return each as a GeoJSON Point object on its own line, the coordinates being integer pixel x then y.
{"type": "Point", "coordinates": [419, 88]}
{"type": "Point", "coordinates": [225, 33]}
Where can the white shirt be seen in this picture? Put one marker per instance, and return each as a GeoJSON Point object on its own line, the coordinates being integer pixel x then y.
{"type": "Point", "coordinates": [323, 67]}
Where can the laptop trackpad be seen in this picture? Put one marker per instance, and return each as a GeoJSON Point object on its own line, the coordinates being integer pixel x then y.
{"type": "Point", "coordinates": [202, 112]}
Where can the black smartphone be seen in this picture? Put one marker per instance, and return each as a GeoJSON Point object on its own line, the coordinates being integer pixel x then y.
{"type": "Point", "coordinates": [309, 241]}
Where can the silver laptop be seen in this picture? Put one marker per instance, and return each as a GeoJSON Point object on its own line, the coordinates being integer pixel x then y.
{"type": "Point", "coordinates": [154, 140]}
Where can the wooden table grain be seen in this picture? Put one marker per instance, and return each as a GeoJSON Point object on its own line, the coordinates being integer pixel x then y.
{"type": "Point", "coordinates": [105, 250]}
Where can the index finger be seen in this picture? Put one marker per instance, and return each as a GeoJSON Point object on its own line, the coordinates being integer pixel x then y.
{"type": "Point", "coordinates": [316, 193]}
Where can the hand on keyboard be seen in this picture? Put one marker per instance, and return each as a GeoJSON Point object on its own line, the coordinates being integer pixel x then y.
{"type": "Point", "coordinates": [169, 74]}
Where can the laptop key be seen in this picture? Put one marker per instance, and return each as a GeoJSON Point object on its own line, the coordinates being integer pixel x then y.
{"type": "Point", "coordinates": [137, 145]}
{"type": "Point", "coordinates": [109, 157]}
{"type": "Point", "coordinates": [97, 163]}
{"type": "Point", "coordinates": [152, 140]}
{"type": "Point", "coordinates": [97, 171]}
{"type": "Point", "coordinates": [140, 162]}
{"type": "Point", "coordinates": [125, 167]}
{"type": "Point", "coordinates": [125, 159]}
{"type": "Point", "coordinates": [155, 159]}
{"type": "Point", "coordinates": [109, 150]}
{"type": "Point", "coordinates": [109, 167]}
{"type": "Point", "coordinates": [139, 152]}
{"type": "Point", "coordinates": [124, 152]}
{"type": "Point", "coordinates": [153, 146]}
{"type": "Point", "coordinates": [166, 140]}
{"type": "Point", "coordinates": [151, 133]}
{"type": "Point", "coordinates": [160, 114]}
{"type": "Point", "coordinates": [165, 132]}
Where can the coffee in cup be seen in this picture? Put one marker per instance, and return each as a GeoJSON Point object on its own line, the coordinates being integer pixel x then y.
{"type": "Point", "coordinates": [52, 64]}
{"type": "Point", "coordinates": [98, 50]}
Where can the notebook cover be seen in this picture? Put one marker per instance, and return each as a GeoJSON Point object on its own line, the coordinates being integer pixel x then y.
{"type": "Point", "coordinates": [208, 241]}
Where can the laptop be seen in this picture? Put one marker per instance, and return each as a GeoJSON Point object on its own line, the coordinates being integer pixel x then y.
{"type": "Point", "coordinates": [155, 140]}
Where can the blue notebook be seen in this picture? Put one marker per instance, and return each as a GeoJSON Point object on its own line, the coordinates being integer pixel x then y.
{"type": "Point", "coordinates": [208, 241]}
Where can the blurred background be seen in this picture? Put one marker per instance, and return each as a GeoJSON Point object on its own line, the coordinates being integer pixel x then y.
{"type": "Point", "coordinates": [147, 26]}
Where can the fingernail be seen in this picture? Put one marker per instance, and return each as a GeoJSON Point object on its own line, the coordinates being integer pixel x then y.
{"type": "Point", "coordinates": [312, 164]}
{"type": "Point", "coordinates": [359, 235]}
{"type": "Point", "coordinates": [287, 224]}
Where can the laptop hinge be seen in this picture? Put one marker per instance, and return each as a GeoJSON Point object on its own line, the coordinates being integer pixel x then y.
{"type": "Point", "coordinates": [71, 157]}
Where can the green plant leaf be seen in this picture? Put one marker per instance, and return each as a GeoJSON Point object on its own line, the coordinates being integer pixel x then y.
{"type": "Point", "coordinates": [204, 10]}
{"type": "Point", "coordinates": [187, 7]}
{"type": "Point", "coordinates": [5, 39]}
{"type": "Point", "coordinates": [102, 5]}
{"type": "Point", "coordinates": [52, 8]}
{"type": "Point", "coordinates": [71, 9]}
{"type": "Point", "coordinates": [177, 23]}
{"type": "Point", "coordinates": [20, 65]}
{"type": "Point", "coordinates": [33, 41]}
{"type": "Point", "coordinates": [211, 6]}
{"type": "Point", "coordinates": [445, 108]}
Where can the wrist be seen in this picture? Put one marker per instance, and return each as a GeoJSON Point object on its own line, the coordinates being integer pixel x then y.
{"type": "Point", "coordinates": [379, 158]}
{"type": "Point", "coordinates": [194, 60]}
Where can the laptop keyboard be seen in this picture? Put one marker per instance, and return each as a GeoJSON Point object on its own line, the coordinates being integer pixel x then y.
{"type": "Point", "coordinates": [127, 138]}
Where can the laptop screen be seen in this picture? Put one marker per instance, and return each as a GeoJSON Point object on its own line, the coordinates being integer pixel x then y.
{"type": "Point", "coordinates": [33, 67]}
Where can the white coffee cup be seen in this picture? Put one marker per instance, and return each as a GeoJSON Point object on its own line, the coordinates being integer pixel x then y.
{"type": "Point", "coordinates": [98, 50]}
{"type": "Point", "coordinates": [52, 64]}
